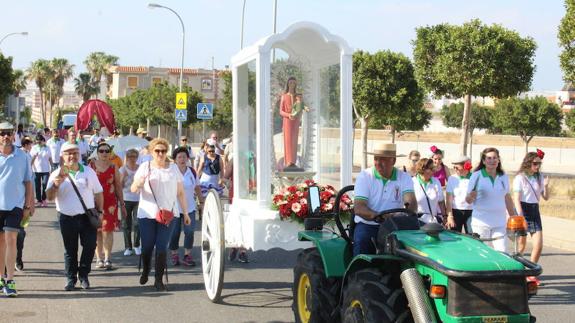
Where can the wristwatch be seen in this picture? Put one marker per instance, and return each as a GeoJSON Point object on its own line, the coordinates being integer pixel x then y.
{"type": "Point", "coordinates": [26, 207]}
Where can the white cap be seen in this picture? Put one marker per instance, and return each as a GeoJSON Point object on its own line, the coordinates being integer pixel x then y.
{"type": "Point", "coordinates": [460, 160]}
{"type": "Point", "coordinates": [68, 146]}
{"type": "Point", "coordinates": [211, 142]}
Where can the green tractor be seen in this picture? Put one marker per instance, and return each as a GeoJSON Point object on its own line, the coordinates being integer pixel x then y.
{"type": "Point", "coordinates": [419, 274]}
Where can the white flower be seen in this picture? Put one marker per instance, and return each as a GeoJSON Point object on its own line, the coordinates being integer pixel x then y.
{"type": "Point", "coordinates": [296, 207]}
{"type": "Point", "coordinates": [303, 201]}
{"type": "Point", "coordinates": [328, 206]}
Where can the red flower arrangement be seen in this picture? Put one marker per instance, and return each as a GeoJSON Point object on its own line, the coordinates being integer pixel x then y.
{"type": "Point", "coordinates": [292, 205]}
{"type": "Point", "coordinates": [540, 153]}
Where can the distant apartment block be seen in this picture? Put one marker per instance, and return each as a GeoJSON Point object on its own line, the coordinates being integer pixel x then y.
{"type": "Point", "coordinates": [127, 79]}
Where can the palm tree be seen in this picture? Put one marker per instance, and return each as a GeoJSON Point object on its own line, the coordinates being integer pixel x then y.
{"type": "Point", "coordinates": [19, 83]}
{"type": "Point", "coordinates": [85, 86]}
{"type": "Point", "coordinates": [62, 70]}
{"type": "Point", "coordinates": [39, 72]}
{"type": "Point", "coordinates": [98, 65]}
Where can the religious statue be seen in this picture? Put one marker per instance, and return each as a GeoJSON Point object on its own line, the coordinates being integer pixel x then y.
{"type": "Point", "coordinates": [291, 109]}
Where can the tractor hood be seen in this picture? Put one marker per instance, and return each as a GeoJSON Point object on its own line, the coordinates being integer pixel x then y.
{"type": "Point", "coordinates": [456, 251]}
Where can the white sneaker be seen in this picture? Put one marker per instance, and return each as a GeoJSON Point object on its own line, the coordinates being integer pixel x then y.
{"type": "Point", "coordinates": [138, 251]}
{"type": "Point", "coordinates": [128, 252]}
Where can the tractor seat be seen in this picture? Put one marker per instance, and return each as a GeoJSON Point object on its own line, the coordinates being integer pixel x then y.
{"type": "Point", "coordinates": [395, 223]}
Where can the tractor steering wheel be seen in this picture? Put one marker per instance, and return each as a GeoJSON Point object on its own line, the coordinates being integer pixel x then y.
{"type": "Point", "coordinates": [381, 216]}
{"type": "Point", "coordinates": [338, 211]}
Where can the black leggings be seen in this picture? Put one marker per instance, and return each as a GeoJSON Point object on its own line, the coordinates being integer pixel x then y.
{"type": "Point", "coordinates": [462, 220]}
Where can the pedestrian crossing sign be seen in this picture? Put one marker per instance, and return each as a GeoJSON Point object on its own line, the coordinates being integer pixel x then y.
{"type": "Point", "coordinates": [181, 115]}
{"type": "Point", "coordinates": [181, 101]}
{"type": "Point", "coordinates": [205, 111]}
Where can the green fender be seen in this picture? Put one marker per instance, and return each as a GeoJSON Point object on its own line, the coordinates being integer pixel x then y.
{"type": "Point", "coordinates": [334, 251]}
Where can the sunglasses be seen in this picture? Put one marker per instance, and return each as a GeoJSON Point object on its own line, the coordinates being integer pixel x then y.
{"type": "Point", "coordinates": [211, 151]}
{"type": "Point", "coordinates": [184, 139]}
{"type": "Point", "coordinates": [132, 156]}
{"type": "Point", "coordinates": [536, 163]}
{"type": "Point", "coordinates": [5, 133]}
{"type": "Point", "coordinates": [104, 151]}
{"type": "Point", "coordinates": [160, 151]}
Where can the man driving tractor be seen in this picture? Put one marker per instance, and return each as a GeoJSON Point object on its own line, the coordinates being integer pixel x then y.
{"type": "Point", "coordinates": [377, 189]}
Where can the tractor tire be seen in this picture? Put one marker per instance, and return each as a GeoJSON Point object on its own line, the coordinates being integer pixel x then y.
{"type": "Point", "coordinates": [374, 296]}
{"type": "Point", "coordinates": [315, 297]}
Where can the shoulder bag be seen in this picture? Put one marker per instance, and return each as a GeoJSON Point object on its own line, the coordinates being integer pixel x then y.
{"type": "Point", "coordinates": [163, 216]}
{"type": "Point", "coordinates": [437, 218]}
{"type": "Point", "coordinates": [92, 214]}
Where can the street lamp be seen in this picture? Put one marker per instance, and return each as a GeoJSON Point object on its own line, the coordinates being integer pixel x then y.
{"type": "Point", "coordinates": [242, 29]}
{"type": "Point", "coordinates": [153, 6]}
{"type": "Point", "coordinates": [24, 33]}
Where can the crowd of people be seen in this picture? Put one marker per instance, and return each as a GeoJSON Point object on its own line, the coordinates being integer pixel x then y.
{"type": "Point", "coordinates": [475, 200]}
{"type": "Point", "coordinates": [150, 194]}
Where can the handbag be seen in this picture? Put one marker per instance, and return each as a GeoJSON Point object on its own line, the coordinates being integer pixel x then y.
{"type": "Point", "coordinates": [163, 216]}
{"type": "Point", "coordinates": [92, 214]}
{"type": "Point", "coordinates": [437, 218]}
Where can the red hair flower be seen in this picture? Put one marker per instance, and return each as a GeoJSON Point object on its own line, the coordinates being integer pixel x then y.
{"type": "Point", "coordinates": [467, 165]}
{"type": "Point", "coordinates": [540, 153]}
{"type": "Point", "coordinates": [434, 149]}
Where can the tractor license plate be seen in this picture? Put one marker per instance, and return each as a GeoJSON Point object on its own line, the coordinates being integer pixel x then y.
{"type": "Point", "coordinates": [495, 319]}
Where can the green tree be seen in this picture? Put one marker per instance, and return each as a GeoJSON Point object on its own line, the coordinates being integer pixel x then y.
{"type": "Point", "coordinates": [85, 86]}
{"type": "Point", "coordinates": [155, 103]}
{"type": "Point", "coordinates": [98, 65]}
{"type": "Point", "coordinates": [452, 116]}
{"type": "Point", "coordinates": [527, 118]}
{"type": "Point", "coordinates": [39, 72]}
{"type": "Point", "coordinates": [61, 71]}
{"type": "Point", "coordinates": [385, 92]}
{"type": "Point", "coordinates": [223, 117]}
{"type": "Point", "coordinates": [473, 60]}
{"type": "Point", "coordinates": [566, 37]}
{"type": "Point", "coordinates": [6, 77]}
{"type": "Point", "coordinates": [570, 120]}
{"type": "Point", "coordinates": [19, 83]}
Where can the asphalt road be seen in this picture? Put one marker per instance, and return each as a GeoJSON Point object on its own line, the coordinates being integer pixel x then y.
{"type": "Point", "coordinates": [256, 292]}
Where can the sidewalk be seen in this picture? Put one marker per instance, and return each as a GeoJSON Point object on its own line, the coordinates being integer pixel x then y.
{"type": "Point", "coordinates": [558, 233]}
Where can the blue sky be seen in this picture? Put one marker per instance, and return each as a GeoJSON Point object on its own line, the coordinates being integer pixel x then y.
{"type": "Point", "coordinates": [140, 36]}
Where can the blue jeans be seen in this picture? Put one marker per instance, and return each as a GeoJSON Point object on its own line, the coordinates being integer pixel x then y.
{"type": "Point", "coordinates": [54, 166]}
{"type": "Point", "coordinates": [188, 232]}
{"type": "Point", "coordinates": [363, 237]}
{"type": "Point", "coordinates": [154, 234]}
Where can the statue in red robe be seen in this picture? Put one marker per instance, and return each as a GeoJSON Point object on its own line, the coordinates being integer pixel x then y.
{"type": "Point", "coordinates": [291, 106]}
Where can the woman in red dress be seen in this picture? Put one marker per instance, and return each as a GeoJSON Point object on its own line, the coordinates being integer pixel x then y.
{"type": "Point", "coordinates": [111, 183]}
{"type": "Point", "coordinates": [290, 122]}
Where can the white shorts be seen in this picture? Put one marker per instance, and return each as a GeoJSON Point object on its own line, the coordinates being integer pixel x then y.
{"type": "Point", "coordinates": [486, 232]}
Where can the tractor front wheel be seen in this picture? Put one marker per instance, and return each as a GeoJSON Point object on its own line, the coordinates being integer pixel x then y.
{"type": "Point", "coordinates": [314, 295]}
{"type": "Point", "coordinates": [373, 296]}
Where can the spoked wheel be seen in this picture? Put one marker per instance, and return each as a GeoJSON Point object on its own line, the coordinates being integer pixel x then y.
{"type": "Point", "coordinates": [213, 246]}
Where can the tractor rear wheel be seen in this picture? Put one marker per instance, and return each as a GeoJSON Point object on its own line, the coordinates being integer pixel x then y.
{"type": "Point", "coordinates": [314, 295]}
{"type": "Point", "coordinates": [373, 296]}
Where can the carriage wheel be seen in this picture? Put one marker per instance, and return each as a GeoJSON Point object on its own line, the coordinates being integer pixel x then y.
{"type": "Point", "coordinates": [213, 246]}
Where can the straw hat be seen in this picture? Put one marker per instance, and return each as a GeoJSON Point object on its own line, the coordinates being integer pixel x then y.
{"type": "Point", "coordinates": [385, 150]}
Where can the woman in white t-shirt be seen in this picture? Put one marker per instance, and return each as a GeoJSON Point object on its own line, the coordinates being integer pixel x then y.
{"type": "Point", "coordinates": [489, 193]}
{"type": "Point", "coordinates": [529, 186]}
{"type": "Point", "coordinates": [181, 157]}
{"type": "Point", "coordinates": [458, 210]}
{"type": "Point", "coordinates": [160, 185]}
{"type": "Point", "coordinates": [130, 221]}
{"type": "Point", "coordinates": [41, 160]}
{"type": "Point", "coordinates": [428, 192]}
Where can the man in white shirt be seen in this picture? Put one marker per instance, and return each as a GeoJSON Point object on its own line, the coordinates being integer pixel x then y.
{"type": "Point", "coordinates": [74, 223]}
{"type": "Point", "coordinates": [379, 188]}
{"type": "Point", "coordinates": [54, 144]}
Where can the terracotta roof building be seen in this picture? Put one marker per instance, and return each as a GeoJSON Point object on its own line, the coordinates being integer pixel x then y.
{"type": "Point", "coordinates": [128, 79]}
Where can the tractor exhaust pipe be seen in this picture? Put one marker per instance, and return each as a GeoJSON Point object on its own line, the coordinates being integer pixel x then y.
{"type": "Point", "coordinates": [417, 297]}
